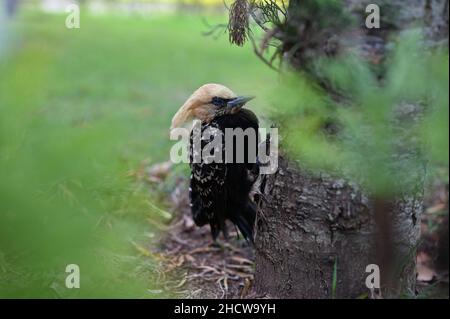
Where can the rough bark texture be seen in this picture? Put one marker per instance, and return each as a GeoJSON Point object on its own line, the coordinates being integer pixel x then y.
{"type": "Point", "coordinates": [313, 223]}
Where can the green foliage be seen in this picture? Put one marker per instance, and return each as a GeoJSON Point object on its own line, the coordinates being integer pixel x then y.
{"type": "Point", "coordinates": [377, 131]}
{"type": "Point", "coordinates": [298, 31]}
{"type": "Point", "coordinates": [79, 111]}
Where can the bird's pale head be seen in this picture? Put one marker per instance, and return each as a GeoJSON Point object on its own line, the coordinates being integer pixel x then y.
{"type": "Point", "coordinates": [207, 102]}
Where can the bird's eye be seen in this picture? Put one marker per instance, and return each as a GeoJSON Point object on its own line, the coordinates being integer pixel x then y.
{"type": "Point", "coordinates": [218, 101]}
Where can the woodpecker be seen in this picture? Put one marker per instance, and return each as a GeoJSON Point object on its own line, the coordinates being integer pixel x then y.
{"type": "Point", "coordinates": [221, 191]}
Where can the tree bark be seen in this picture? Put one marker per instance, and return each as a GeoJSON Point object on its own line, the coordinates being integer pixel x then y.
{"type": "Point", "coordinates": [313, 224]}
{"type": "Point", "coordinates": [316, 234]}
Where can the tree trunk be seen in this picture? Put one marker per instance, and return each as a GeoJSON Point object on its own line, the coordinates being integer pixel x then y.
{"type": "Point", "coordinates": [316, 234]}
{"type": "Point", "coordinates": [315, 229]}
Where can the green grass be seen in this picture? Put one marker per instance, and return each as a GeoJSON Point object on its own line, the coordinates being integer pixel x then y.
{"type": "Point", "coordinates": [79, 110]}
{"type": "Point", "coordinates": [334, 280]}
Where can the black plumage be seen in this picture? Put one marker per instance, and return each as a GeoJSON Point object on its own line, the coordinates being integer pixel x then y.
{"type": "Point", "coordinates": [221, 191]}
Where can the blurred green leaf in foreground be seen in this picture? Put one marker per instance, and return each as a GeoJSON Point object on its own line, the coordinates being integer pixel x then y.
{"type": "Point", "coordinates": [373, 121]}
{"type": "Point", "coordinates": [80, 110]}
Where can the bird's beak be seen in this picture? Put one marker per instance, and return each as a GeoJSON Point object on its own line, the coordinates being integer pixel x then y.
{"type": "Point", "coordinates": [239, 101]}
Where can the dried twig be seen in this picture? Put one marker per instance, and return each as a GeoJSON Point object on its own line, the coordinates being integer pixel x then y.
{"type": "Point", "coordinates": [260, 55]}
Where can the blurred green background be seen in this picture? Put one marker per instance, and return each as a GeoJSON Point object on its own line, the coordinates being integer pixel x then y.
{"type": "Point", "coordinates": [83, 113]}
{"type": "Point", "coordinates": [80, 111]}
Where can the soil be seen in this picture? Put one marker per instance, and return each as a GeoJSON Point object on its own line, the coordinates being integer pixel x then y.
{"type": "Point", "coordinates": [200, 267]}
{"type": "Point", "coordinates": [196, 267]}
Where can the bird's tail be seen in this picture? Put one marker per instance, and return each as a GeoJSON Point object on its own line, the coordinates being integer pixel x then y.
{"type": "Point", "coordinates": [246, 221]}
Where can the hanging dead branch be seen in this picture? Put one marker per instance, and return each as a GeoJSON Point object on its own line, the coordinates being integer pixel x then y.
{"type": "Point", "coordinates": [238, 25]}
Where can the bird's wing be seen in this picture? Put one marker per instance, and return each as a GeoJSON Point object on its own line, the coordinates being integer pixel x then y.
{"type": "Point", "coordinates": [207, 192]}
